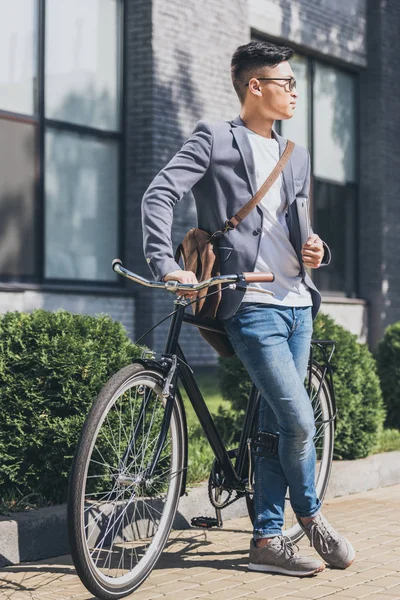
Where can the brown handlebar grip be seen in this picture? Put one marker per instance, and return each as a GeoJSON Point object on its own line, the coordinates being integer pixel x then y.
{"type": "Point", "coordinates": [259, 277]}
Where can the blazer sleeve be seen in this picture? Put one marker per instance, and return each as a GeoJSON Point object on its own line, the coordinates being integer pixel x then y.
{"type": "Point", "coordinates": [168, 187]}
{"type": "Point", "coordinates": [306, 192]}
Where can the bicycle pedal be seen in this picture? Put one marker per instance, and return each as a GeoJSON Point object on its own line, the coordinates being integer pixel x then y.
{"type": "Point", "coordinates": [204, 522]}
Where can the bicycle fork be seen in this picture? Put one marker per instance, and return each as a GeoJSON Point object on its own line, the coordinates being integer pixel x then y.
{"type": "Point", "coordinates": [168, 394]}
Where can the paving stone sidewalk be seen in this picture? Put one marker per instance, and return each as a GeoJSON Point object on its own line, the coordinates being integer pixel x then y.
{"type": "Point", "coordinates": [201, 564]}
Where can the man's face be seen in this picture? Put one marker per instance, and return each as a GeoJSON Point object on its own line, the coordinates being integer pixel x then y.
{"type": "Point", "coordinates": [273, 98]}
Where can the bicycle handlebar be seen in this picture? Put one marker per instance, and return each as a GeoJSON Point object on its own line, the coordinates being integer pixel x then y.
{"type": "Point", "coordinates": [174, 286]}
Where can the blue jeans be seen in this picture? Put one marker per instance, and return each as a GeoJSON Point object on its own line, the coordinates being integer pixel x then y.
{"type": "Point", "coordinates": [273, 342]}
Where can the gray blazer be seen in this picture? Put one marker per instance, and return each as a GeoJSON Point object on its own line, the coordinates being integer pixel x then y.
{"type": "Point", "coordinates": [216, 163]}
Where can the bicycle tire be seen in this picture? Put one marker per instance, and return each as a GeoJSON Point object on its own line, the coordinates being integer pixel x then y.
{"type": "Point", "coordinates": [322, 406]}
{"type": "Point", "coordinates": [94, 539]}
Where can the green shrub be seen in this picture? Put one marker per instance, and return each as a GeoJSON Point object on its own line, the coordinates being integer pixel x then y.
{"type": "Point", "coordinates": [360, 410]}
{"type": "Point", "coordinates": [388, 361]}
{"type": "Point", "coordinates": [389, 441]}
{"type": "Point", "coordinates": [52, 365]}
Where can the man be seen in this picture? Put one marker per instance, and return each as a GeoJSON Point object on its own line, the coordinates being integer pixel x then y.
{"type": "Point", "coordinates": [224, 164]}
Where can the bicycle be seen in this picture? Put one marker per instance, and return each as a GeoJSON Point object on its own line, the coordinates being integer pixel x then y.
{"type": "Point", "coordinates": [130, 465]}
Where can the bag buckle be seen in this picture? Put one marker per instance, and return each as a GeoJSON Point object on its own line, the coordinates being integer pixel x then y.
{"type": "Point", "coordinates": [228, 226]}
{"type": "Point", "coordinates": [217, 234]}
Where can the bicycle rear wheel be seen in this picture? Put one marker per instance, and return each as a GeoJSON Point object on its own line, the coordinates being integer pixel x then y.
{"type": "Point", "coordinates": [321, 399]}
{"type": "Point", "coordinates": [125, 483]}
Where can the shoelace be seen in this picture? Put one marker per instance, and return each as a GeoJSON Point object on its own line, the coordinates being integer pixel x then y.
{"type": "Point", "coordinates": [287, 545]}
{"type": "Point", "coordinates": [324, 532]}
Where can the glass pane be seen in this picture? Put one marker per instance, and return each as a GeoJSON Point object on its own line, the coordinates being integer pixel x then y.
{"type": "Point", "coordinates": [81, 207]}
{"type": "Point", "coordinates": [17, 199]}
{"type": "Point", "coordinates": [335, 223]}
{"type": "Point", "coordinates": [82, 62]}
{"type": "Point", "coordinates": [18, 55]}
{"type": "Point", "coordinates": [334, 124]}
{"type": "Point", "coordinates": [296, 128]}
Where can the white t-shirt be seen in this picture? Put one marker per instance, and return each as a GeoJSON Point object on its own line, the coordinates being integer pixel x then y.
{"type": "Point", "coordinates": [276, 251]}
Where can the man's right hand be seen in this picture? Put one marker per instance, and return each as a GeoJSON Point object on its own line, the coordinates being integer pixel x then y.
{"type": "Point", "coordinates": [183, 277]}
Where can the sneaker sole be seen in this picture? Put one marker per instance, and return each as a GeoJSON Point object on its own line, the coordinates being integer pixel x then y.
{"type": "Point", "coordinates": [342, 568]}
{"type": "Point", "coordinates": [350, 563]}
{"type": "Point", "coordinates": [275, 569]}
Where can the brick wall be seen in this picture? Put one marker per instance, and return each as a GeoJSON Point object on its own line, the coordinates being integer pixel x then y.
{"type": "Point", "coordinates": [380, 168]}
{"type": "Point", "coordinates": [138, 155]}
{"type": "Point", "coordinates": [120, 308]}
{"type": "Point", "coordinates": [187, 79]}
{"type": "Point", "coordinates": [334, 28]}
{"type": "Point", "coordinates": [178, 56]}
{"type": "Point", "coordinates": [193, 45]}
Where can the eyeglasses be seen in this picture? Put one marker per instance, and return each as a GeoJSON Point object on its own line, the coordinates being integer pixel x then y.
{"type": "Point", "coordinates": [292, 81]}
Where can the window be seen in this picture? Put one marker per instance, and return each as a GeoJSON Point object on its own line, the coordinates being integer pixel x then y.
{"type": "Point", "coordinates": [82, 62]}
{"type": "Point", "coordinates": [296, 128]}
{"type": "Point", "coordinates": [325, 123]}
{"type": "Point", "coordinates": [335, 218]}
{"type": "Point", "coordinates": [334, 135]}
{"type": "Point", "coordinates": [61, 139]}
{"type": "Point", "coordinates": [81, 178]}
{"type": "Point", "coordinates": [335, 189]}
{"type": "Point", "coordinates": [18, 47]}
{"type": "Point", "coordinates": [17, 198]}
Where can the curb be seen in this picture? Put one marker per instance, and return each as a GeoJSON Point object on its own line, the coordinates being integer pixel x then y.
{"type": "Point", "coordinates": [347, 477]}
{"type": "Point", "coordinates": [33, 535]}
{"type": "Point", "coordinates": [43, 534]}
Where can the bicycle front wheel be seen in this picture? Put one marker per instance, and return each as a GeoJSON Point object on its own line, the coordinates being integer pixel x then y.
{"type": "Point", "coordinates": [321, 399]}
{"type": "Point", "coordinates": [125, 483]}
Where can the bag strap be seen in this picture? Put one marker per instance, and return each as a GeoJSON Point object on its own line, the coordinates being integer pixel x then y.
{"type": "Point", "coordinates": [258, 196]}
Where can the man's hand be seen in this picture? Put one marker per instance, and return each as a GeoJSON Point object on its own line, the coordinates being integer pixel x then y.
{"type": "Point", "coordinates": [183, 277]}
{"type": "Point", "coordinates": [313, 251]}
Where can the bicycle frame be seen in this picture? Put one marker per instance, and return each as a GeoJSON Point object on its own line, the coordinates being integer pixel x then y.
{"type": "Point", "coordinates": [234, 474]}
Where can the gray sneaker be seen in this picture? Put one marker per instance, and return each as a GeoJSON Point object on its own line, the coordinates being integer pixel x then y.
{"type": "Point", "coordinates": [279, 556]}
{"type": "Point", "coordinates": [335, 549]}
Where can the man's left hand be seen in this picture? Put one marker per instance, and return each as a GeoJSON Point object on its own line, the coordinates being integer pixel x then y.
{"type": "Point", "coordinates": [313, 251]}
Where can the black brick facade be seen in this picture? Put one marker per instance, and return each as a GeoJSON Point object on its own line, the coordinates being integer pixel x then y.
{"type": "Point", "coordinates": [177, 72]}
{"type": "Point", "coordinates": [380, 169]}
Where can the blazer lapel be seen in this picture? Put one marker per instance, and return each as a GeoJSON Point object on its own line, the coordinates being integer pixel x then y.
{"type": "Point", "coordinates": [246, 153]}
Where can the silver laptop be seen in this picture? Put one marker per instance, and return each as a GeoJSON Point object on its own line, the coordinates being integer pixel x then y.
{"type": "Point", "coordinates": [303, 210]}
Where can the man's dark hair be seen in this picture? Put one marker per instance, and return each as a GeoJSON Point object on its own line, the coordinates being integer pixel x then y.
{"type": "Point", "coordinates": [248, 59]}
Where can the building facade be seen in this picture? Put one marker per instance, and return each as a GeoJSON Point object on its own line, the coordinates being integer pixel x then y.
{"type": "Point", "coordinates": [97, 95]}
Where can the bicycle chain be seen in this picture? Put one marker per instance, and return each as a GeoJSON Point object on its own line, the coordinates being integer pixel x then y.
{"type": "Point", "coordinates": [227, 502]}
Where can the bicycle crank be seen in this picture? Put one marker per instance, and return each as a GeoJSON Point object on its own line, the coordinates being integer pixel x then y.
{"type": "Point", "coordinates": [219, 495]}
{"type": "Point", "coordinates": [209, 522]}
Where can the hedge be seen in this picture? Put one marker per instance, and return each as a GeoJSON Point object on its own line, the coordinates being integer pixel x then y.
{"type": "Point", "coordinates": [52, 365]}
{"type": "Point", "coordinates": [388, 361]}
{"type": "Point", "coordinates": [360, 409]}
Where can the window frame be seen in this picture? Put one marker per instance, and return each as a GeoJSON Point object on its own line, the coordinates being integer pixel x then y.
{"type": "Point", "coordinates": [43, 124]}
{"type": "Point", "coordinates": [312, 57]}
